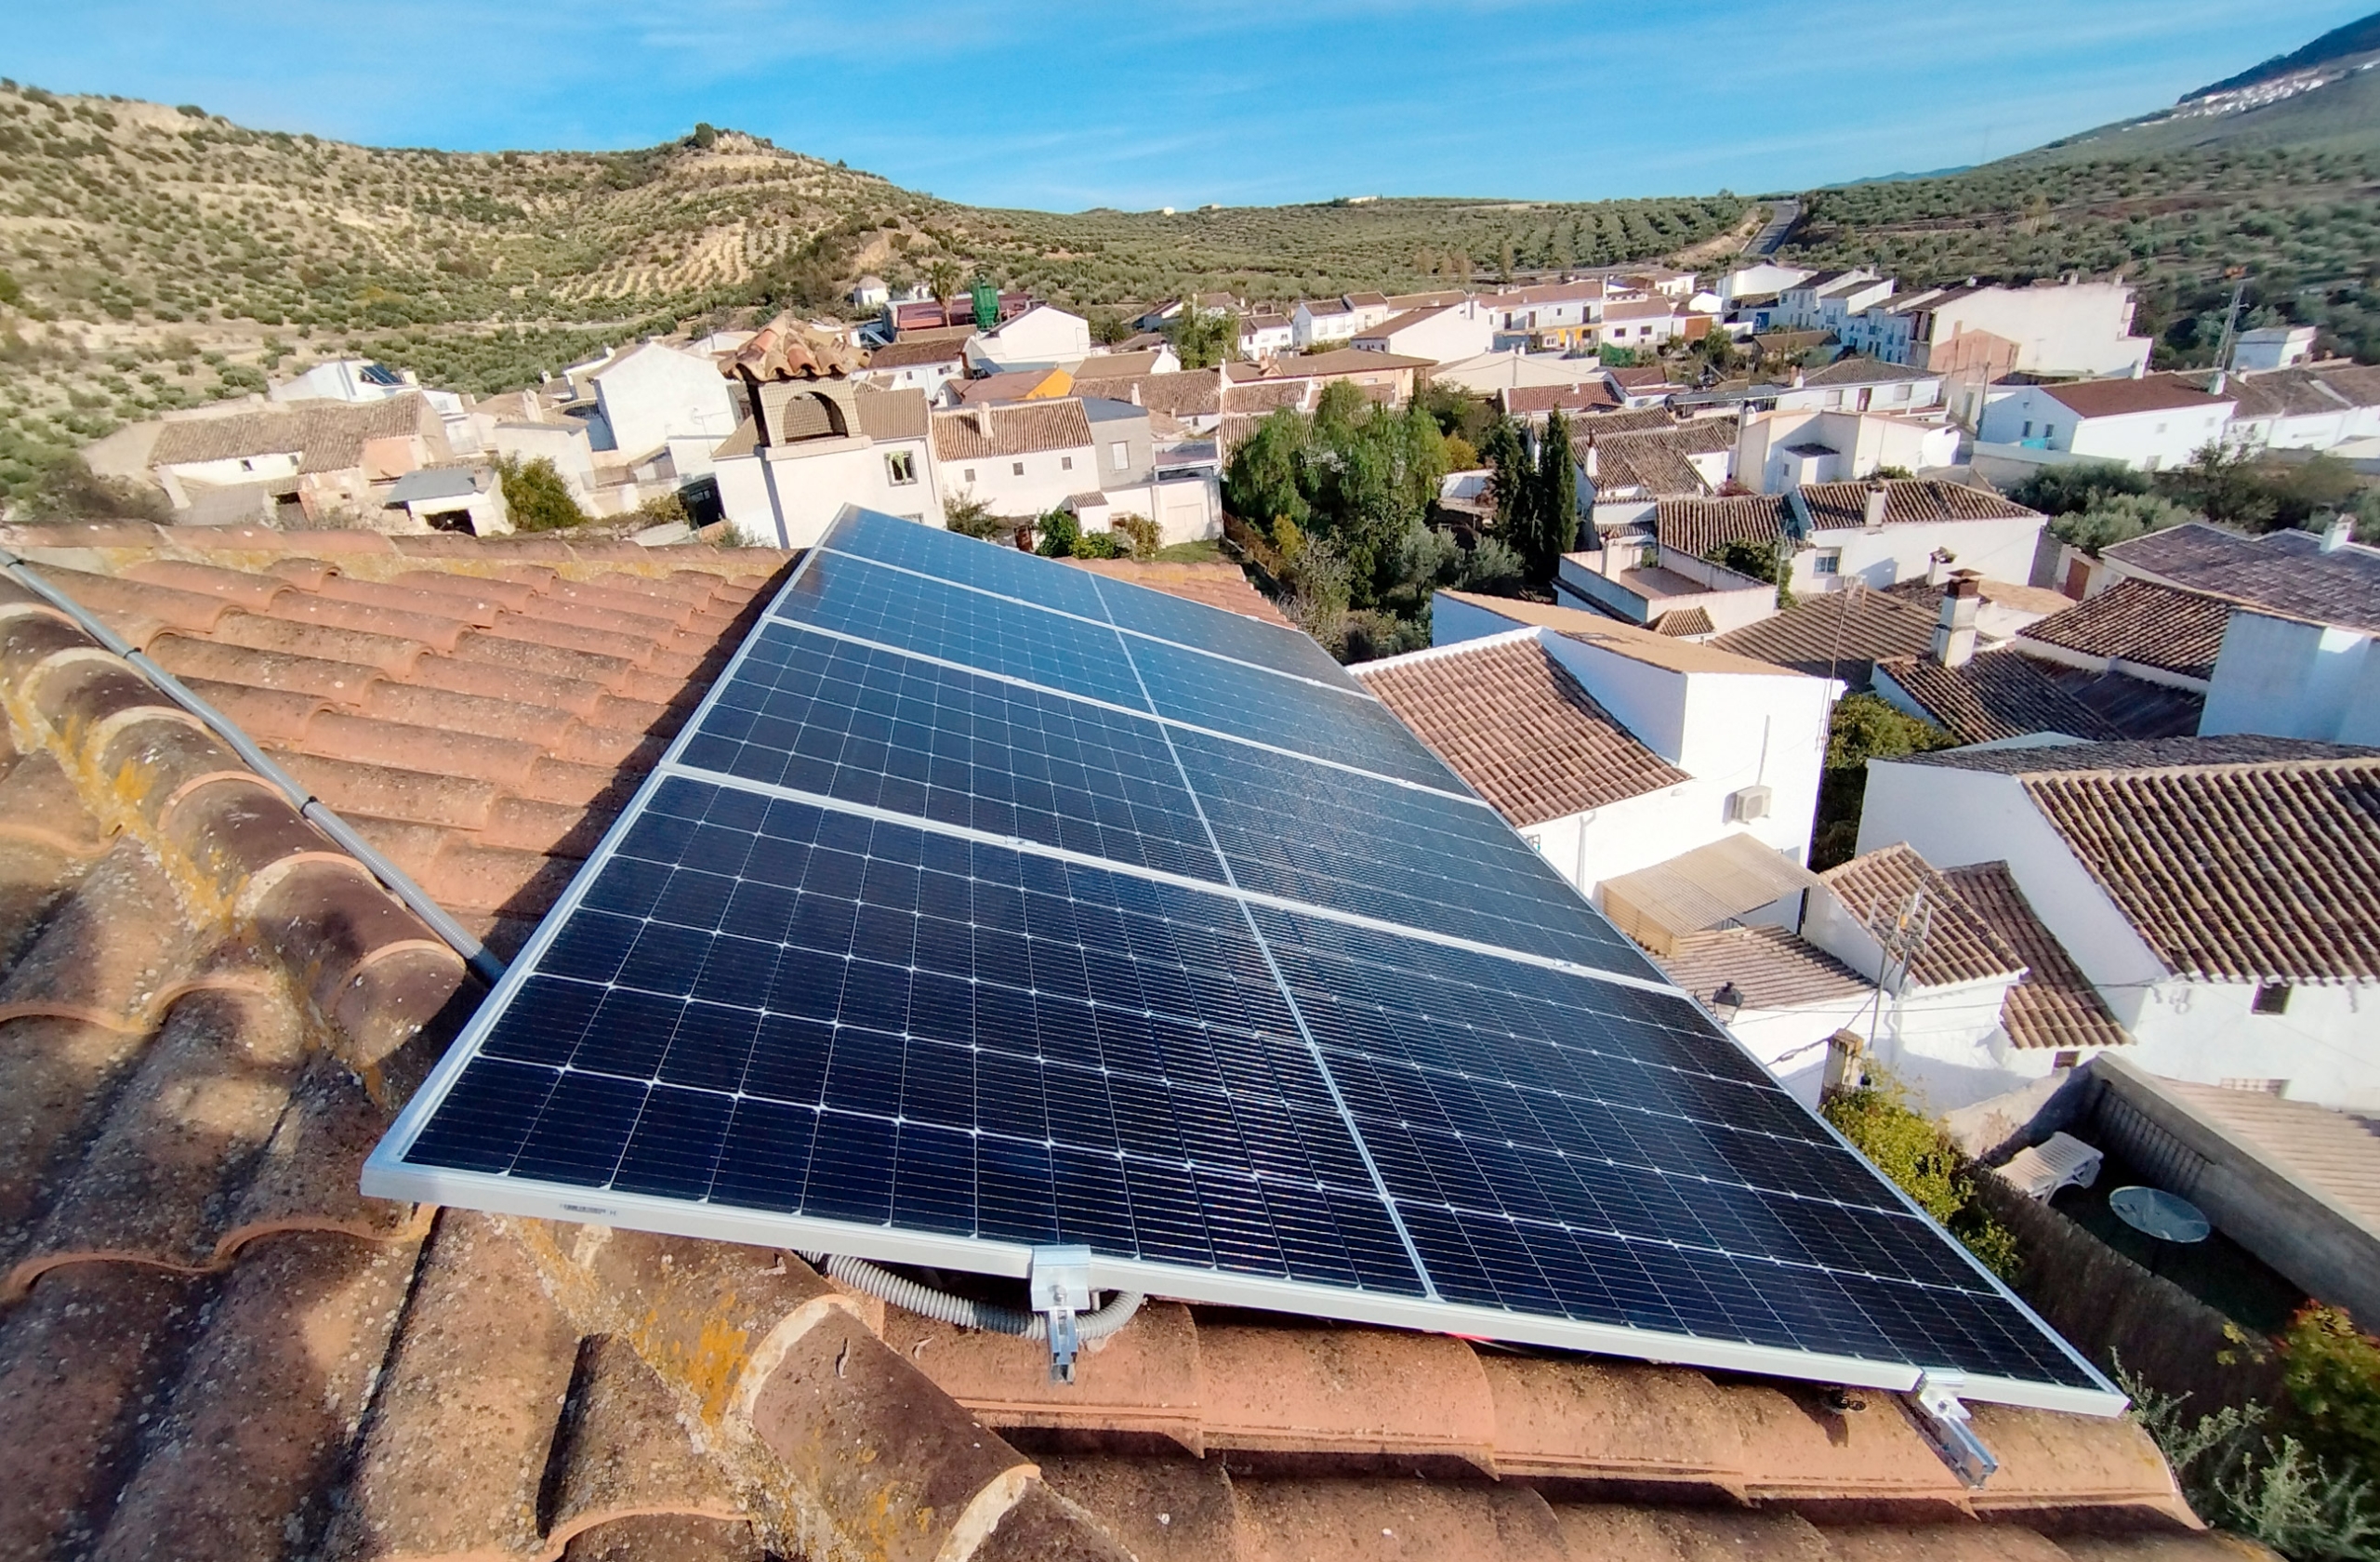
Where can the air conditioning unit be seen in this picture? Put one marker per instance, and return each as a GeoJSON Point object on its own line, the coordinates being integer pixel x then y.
{"type": "Point", "coordinates": [1747, 804]}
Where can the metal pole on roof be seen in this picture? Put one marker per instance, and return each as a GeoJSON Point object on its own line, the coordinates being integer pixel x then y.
{"type": "Point", "coordinates": [312, 808]}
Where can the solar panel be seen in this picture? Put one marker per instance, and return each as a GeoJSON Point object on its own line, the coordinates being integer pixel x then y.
{"type": "Point", "coordinates": [988, 906]}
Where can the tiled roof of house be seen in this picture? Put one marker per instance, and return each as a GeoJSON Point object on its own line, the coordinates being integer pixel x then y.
{"type": "Point", "coordinates": [1685, 621]}
{"type": "Point", "coordinates": [1958, 947]}
{"type": "Point", "coordinates": [1696, 526]}
{"type": "Point", "coordinates": [2117, 398]}
{"type": "Point", "coordinates": [1015, 429]}
{"type": "Point", "coordinates": [1908, 501]}
{"type": "Point", "coordinates": [1116, 365]}
{"type": "Point", "coordinates": [2142, 622]}
{"type": "Point", "coordinates": [2134, 707]}
{"type": "Point", "coordinates": [2310, 390]}
{"type": "Point", "coordinates": [2055, 1006]}
{"type": "Point", "coordinates": [2229, 872]}
{"type": "Point", "coordinates": [327, 436]}
{"type": "Point", "coordinates": [2059, 759]}
{"type": "Point", "coordinates": [1397, 323]}
{"type": "Point", "coordinates": [1772, 968]}
{"type": "Point", "coordinates": [1015, 385]}
{"type": "Point", "coordinates": [917, 348]}
{"type": "Point", "coordinates": [2336, 1154]}
{"type": "Point", "coordinates": [1841, 634]}
{"type": "Point", "coordinates": [889, 414]}
{"type": "Point", "coordinates": [1995, 695]}
{"type": "Point", "coordinates": [1852, 369]}
{"type": "Point", "coordinates": [2284, 573]}
{"type": "Point", "coordinates": [1217, 585]}
{"type": "Point", "coordinates": [1525, 401]}
{"type": "Point", "coordinates": [1642, 308]}
{"type": "Point", "coordinates": [1641, 377]}
{"type": "Point", "coordinates": [212, 1347]}
{"type": "Point", "coordinates": [1323, 365]}
{"type": "Point", "coordinates": [1512, 721]}
{"type": "Point", "coordinates": [1618, 638]}
{"type": "Point", "coordinates": [1652, 463]}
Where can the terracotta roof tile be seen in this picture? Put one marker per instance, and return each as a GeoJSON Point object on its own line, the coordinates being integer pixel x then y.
{"type": "Point", "coordinates": [2115, 398]}
{"type": "Point", "coordinates": [1216, 585]}
{"type": "Point", "coordinates": [1510, 721]}
{"type": "Point", "coordinates": [1696, 526]}
{"type": "Point", "coordinates": [1996, 695]}
{"type": "Point", "coordinates": [1017, 429]}
{"type": "Point", "coordinates": [1653, 463]}
{"type": "Point", "coordinates": [1773, 968]}
{"type": "Point", "coordinates": [1959, 946]}
{"type": "Point", "coordinates": [2285, 573]}
{"type": "Point", "coordinates": [2055, 1005]}
{"type": "Point", "coordinates": [328, 435]}
{"type": "Point", "coordinates": [2140, 621]}
{"type": "Point", "coordinates": [218, 1348]}
{"type": "Point", "coordinates": [1841, 634]}
{"type": "Point", "coordinates": [1908, 501]}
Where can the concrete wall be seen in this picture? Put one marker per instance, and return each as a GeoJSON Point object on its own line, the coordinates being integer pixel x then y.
{"type": "Point", "coordinates": [789, 495]}
{"type": "Point", "coordinates": [1861, 442]}
{"type": "Point", "coordinates": [2286, 679]}
{"type": "Point", "coordinates": [2296, 1228]}
{"type": "Point", "coordinates": [1995, 549]}
{"type": "Point", "coordinates": [2079, 328]}
{"type": "Point", "coordinates": [1049, 478]}
{"type": "Point", "coordinates": [2145, 440]}
{"type": "Point", "coordinates": [1040, 337]}
{"type": "Point", "coordinates": [656, 391]}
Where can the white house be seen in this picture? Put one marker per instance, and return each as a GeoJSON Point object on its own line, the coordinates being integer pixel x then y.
{"type": "Point", "coordinates": [1977, 997]}
{"type": "Point", "coordinates": [648, 393]}
{"type": "Point", "coordinates": [813, 447]}
{"type": "Point", "coordinates": [2272, 347]}
{"type": "Point", "coordinates": [1022, 459]}
{"type": "Point", "coordinates": [1882, 532]}
{"type": "Point", "coordinates": [2149, 423]}
{"type": "Point", "coordinates": [2299, 656]}
{"type": "Point", "coordinates": [924, 360]}
{"type": "Point", "coordinates": [1041, 338]}
{"type": "Point", "coordinates": [1551, 317]}
{"type": "Point", "coordinates": [1322, 320]}
{"type": "Point", "coordinates": [2319, 406]}
{"type": "Point", "coordinates": [343, 380]}
{"type": "Point", "coordinates": [870, 292]}
{"type": "Point", "coordinates": [2080, 328]}
{"type": "Point", "coordinates": [1827, 301]}
{"type": "Point", "coordinates": [1653, 746]}
{"type": "Point", "coordinates": [2215, 893]}
{"type": "Point", "coordinates": [1442, 334]}
{"type": "Point", "coordinates": [1762, 277]}
{"type": "Point", "coordinates": [1780, 450]}
{"type": "Point", "coordinates": [1261, 336]}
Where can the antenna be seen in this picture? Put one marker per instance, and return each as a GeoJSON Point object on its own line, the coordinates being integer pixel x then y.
{"type": "Point", "coordinates": [2230, 328]}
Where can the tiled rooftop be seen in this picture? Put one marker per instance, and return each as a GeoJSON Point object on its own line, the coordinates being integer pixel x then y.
{"type": "Point", "coordinates": [329, 436]}
{"type": "Point", "coordinates": [1696, 527]}
{"type": "Point", "coordinates": [1217, 585]}
{"type": "Point", "coordinates": [1019, 428]}
{"type": "Point", "coordinates": [1995, 695]}
{"type": "Point", "coordinates": [2055, 1006]}
{"type": "Point", "coordinates": [1908, 501]}
{"type": "Point", "coordinates": [1959, 946]}
{"type": "Point", "coordinates": [1512, 721]}
{"type": "Point", "coordinates": [1772, 968]}
{"type": "Point", "coordinates": [1652, 463]}
{"type": "Point", "coordinates": [1841, 634]}
{"type": "Point", "coordinates": [2142, 622]}
{"type": "Point", "coordinates": [2285, 573]}
{"type": "Point", "coordinates": [211, 1347]}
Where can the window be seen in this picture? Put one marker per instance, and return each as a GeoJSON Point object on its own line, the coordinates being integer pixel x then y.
{"type": "Point", "coordinates": [901, 468]}
{"type": "Point", "coordinates": [2272, 998]}
{"type": "Point", "coordinates": [1830, 561]}
{"type": "Point", "coordinates": [2029, 430]}
{"type": "Point", "coordinates": [1066, 463]}
{"type": "Point", "coordinates": [2049, 433]}
{"type": "Point", "coordinates": [2256, 1087]}
{"type": "Point", "coordinates": [1016, 469]}
{"type": "Point", "coordinates": [970, 474]}
{"type": "Point", "coordinates": [1120, 455]}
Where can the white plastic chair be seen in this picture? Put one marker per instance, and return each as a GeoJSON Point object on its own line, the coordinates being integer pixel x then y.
{"type": "Point", "coordinates": [2061, 1160]}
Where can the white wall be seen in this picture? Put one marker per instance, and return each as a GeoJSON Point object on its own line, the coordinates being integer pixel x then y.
{"type": "Point", "coordinates": [2077, 328]}
{"type": "Point", "coordinates": [2146, 441]}
{"type": "Point", "coordinates": [562, 444]}
{"type": "Point", "coordinates": [2183, 1029]}
{"type": "Point", "coordinates": [1040, 337]}
{"type": "Point", "coordinates": [1459, 331]}
{"type": "Point", "coordinates": [2284, 679]}
{"type": "Point", "coordinates": [1863, 443]}
{"type": "Point", "coordinates": [788, 495]}
{"type": "Point", "coordinates": [1307, 327]}
{"type": "Point", "coordinates": [2001, 550]}
{"type": "Point", "coordinates": [658, 390]}
{"type": "Point", "coordinates": [1049, 478]}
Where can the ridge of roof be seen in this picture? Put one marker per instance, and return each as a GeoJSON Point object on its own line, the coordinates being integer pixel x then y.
{"type": "Point", "coordinates": [2134, 620]}
{"type": "Point", "coordinates": [1998, 693]}
{"type": "Point", "coordinates": [1959, 946]}
{"type": "Point", "coordinates": [1621, 639]}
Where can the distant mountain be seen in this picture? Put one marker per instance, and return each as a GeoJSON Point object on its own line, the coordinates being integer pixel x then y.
{"type": "Point", "coordinates": [1897, 178]}
{"type": "Point", "coordinates": [2338, 44]}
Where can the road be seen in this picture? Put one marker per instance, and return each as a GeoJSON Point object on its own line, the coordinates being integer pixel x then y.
{"type": "Point", "coordinates": [1782, 215]}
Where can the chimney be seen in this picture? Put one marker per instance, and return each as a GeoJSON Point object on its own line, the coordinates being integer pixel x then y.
{"type": "Point", "coordinates": [2338, 533]}
{"type": "Point", "coordinates": [1136, 392]}
{"type": "Point", "coordinates": [1798, 376]}
{"type": "Point", "coordinates": [1954, 631]}
{"type": "Point", "coordinates": [1874, 516]}
{"type": "Point", "coordinates": [1590, 460]}
{"type": "Point", "coordinates": [1937, 566]}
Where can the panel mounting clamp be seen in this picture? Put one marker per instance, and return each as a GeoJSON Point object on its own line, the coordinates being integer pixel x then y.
{"type": "Point", "coordinates": [1942, 1416]}
{"type": "Point", "coordinates": [1060, 1283]}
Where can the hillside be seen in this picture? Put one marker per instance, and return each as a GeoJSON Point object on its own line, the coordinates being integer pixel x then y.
{"type": "Point", "coordinates": [154, 256]}
{"type": "Point", "coordinates": [2340, 43]}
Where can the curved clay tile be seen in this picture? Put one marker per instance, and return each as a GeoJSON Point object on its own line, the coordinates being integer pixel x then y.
{"type": "Point", "coordinates": [786, 348]}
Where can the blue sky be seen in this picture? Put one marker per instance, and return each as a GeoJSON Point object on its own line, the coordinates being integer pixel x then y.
{"type": "Point", "coordinates": [1136, 105]}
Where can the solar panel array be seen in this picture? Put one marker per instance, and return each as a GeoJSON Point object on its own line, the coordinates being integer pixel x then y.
{"type": "Point", "coordinates": [988, 904]}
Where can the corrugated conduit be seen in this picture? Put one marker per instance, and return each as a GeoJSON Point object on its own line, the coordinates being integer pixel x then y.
{"type": "Point", "coordinates": [944, 1308]}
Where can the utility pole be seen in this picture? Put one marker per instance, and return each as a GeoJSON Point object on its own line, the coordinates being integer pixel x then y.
{"type": "Point", "coordinates": [2231, 328]}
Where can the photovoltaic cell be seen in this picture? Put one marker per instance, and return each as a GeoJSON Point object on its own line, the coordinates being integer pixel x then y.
{"type": "Point", "coordinates": [941, 923]}
{"type": "Point", "coordinates": [1305, 832]}
{"type": "Point", "coordinates": [847, 1019]}
{"type": "Point", "coordinates": [872, 727]}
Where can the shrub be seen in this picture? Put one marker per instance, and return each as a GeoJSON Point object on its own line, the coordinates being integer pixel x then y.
{"type": "Point", "coordinates": [536, 493]}
{"type": "Point", "coordinates": [2114, 518]}
{"type": "Point", "coordinates": [2332, 1372]}
{"type": "Point", "coordinates": [1059, 531]}
{"type": "Point", "coordinates": [1097, 545]}
{"type": "Point", "coordinates": [1140, 533]}
{"type": "Point", "coordinates": [975, 518]}
{"type": "Point", "coordinates": [2071, 489]}
{"type": "Point", "coordinates": [2280, 1493]}
{"type": "Point", "coordinates": [1918, 1155]}
{"type": "Point", "coordinates": [68, 490]}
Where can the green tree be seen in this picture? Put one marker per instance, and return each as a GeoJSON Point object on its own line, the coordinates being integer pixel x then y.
{"type": "Point", "coordinates": [68, 490]}
{"type": "Point", "coordinates": [1760, 560]}
{"type": "Point", "coordinates": [1507, 456]}
{"type": "Point", "coordinates": [1204, 337]}
{"type": "Point", "coordinates": [1550, 524]}
{"type": "Point", "coordinates": [1920, 1158]}
{"type": "Point", "coordinates": [2115, 517]}
{"type": "Point", "coordinates": [2223, 483]}
{"type": "Point", "coordinates": [2068, 490]}
{"type": "Point", "coordinates": [1060, 531]}
{"type": "Point", "coordinates": [1863, 727]}
{"type": "Point", "coordinates": [942, 277]}
{"type": "Point", "coordinates": [1108, 327]}
{"type": "Point", "coordinates": [11, 292]}
{"type": "Point", "coordinates": [536, 493]}
{"type": "Point", "coordinates": [972, 517]}
{"type": "Point", "coordinates": [1267, 479]}
{"type": "Point", "coordinates": [706, 134]}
